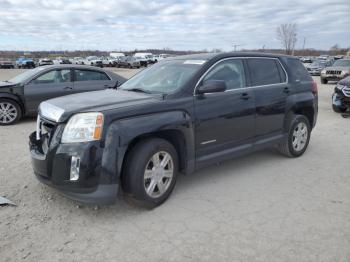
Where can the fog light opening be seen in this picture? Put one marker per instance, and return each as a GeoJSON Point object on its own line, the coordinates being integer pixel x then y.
{"type": "Point", "coordinates": [74, 168]}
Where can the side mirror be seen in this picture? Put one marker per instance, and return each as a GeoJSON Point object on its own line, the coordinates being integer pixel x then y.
{"type": "Point", "coordinates": [212, 86]}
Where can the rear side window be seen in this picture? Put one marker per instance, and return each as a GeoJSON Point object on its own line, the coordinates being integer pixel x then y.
{"type": "Point", "coordinates": [89, 75]}
{"type": "Point", "coordinates": [264, 71]}
{"type": "Point", "coordinates": [297, 70]}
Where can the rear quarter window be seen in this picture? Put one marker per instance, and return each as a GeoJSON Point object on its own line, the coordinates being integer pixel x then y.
{"type": "Point", "coordinates": [297, 70]}
{"type": "Point", "coordinates": [265, 71]}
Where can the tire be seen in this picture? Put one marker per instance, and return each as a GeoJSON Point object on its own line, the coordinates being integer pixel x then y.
{"type": "Point", "coordinates": [339, 109]}
{"type": "Point", "coordinates": [130, 66]}
{"type": "Point", "coordinates": [324, 80]}
{"type": "Point", "coordinates": [140, 159]}
{"type": "Point", "coordinates": [290, 147]}
{"type": "Point", "coordinates": [8, 106]}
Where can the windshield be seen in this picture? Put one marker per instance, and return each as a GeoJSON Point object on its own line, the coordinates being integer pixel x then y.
{"type": "Point", "coordinates": [164, 77]}
{"type": "Point", "coordinates": [342, 63]}
{"type": "Point", "coordinates": [26, 75]}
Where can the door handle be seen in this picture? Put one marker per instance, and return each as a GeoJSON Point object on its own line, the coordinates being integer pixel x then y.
{"type": "Point", "coordinates": [286, 90]}
{"type": "Point", "coordinates": [245, 96]}
{"type": "Point", "coordinates": [68, 88]}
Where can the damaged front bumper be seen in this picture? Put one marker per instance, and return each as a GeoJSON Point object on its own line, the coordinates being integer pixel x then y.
{"type": "Point", "coordinates": [74, 169]}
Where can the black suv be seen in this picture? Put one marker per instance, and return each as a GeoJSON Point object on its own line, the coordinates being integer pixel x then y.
{"type": "Point", "coordinates": [179, 115]}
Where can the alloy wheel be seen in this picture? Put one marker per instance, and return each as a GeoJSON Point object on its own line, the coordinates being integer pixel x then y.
{"type": "Point", "coordinates": [8, 112]}
{"type": "Point", "coordinates": [158, 174]}
{"type": "Point", "coordinates": [300, 136]}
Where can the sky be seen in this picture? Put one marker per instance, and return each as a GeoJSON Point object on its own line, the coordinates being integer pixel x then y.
{"type": "Point", "coordinates": [38, 25]}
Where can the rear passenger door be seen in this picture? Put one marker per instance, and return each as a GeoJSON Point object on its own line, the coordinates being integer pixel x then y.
{"type": "Point", "coordinates": [86, 80]}
{"type": "Point", "coordinates": [269, 82]}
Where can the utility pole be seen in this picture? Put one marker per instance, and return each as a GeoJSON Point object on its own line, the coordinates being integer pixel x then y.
{"type": "Point", "coordinates": [235, 46]}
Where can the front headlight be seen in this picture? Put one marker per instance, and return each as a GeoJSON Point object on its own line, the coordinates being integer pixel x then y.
{"type": "Point", "coordinates": [83, 127]}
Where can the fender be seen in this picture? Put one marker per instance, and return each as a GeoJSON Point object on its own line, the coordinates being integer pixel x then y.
{"type": "Point", "coordinates": [122, 132]}
{"type": "Point", "coordinates": [298, 102]}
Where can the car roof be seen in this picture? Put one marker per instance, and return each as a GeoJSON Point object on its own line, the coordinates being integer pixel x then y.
{"type": "Point", "coordinates": [209, 56]}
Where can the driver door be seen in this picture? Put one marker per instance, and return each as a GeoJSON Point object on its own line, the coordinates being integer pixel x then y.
{"type": "Point", "coordinates": [50, 84]}
{"type": "Point", "coordinates": [224, 120]}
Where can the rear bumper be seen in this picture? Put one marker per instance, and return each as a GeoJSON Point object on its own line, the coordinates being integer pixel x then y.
{"type": "Point", "coordinates": [53, 169]}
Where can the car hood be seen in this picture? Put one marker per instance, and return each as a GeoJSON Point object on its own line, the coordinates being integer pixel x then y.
{"type": "Point", "coordinates": [61, 108]}
{"type": "Point", "coordinates": [6, 84]}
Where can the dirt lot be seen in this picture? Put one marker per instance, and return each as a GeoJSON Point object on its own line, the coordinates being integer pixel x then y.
{"type": "Point", "coordinates": [261, 207]}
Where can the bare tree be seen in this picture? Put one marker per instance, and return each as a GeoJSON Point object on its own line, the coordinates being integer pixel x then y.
{"type": "Point", "coordinates": [287, 34]}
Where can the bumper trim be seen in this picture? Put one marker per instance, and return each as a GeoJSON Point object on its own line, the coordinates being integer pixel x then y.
{"type": "Point", "coordinates": [103, 195]}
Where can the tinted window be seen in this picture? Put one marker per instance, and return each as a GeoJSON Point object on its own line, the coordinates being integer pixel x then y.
{"type": "Point", "coordinates": [89, 75]}
{"type": "Point", "coordinates": [230, 71]}
{"type": "Point", "coordinates": [297, 70]}
{"type": "Point", "coordinates": [264, 71]}
{"type": "Point", "coordinates": [54, 76]}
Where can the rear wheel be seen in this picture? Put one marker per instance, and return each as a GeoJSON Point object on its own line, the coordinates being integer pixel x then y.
{"type": "Point", "coordinates": [298, 137]}
{"type": "Point", "coordinates": [324, 80]}
{"type": "Point", "coordinates": [10, 112]}
{"type": "Point", "coordinates": [150, 173]}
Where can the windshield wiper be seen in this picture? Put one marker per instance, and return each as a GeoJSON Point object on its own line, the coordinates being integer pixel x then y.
{"type": "Point", "coordinates": [139, 90]}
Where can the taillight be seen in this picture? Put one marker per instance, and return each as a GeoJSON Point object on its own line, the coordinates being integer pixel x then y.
{"type": "Point", "coordinates": [314, 88]}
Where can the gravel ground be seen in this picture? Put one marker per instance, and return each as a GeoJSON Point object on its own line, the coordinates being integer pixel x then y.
{"type": "Point", "coordinates": [261, 207]}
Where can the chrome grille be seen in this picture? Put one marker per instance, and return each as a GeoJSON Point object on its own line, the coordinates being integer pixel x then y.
{"type": "Point", "coordinates": [346, 91]}
{"type": "Point", "coordinates": [333, 72]}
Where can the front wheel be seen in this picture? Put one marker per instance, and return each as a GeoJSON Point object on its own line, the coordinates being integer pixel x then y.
{"type": "Point", "coordinates": [150, 173]}
{"type": "Point", "coordinates": [298, 137]}
{"type": "Point", "coordinates": [10, 112]}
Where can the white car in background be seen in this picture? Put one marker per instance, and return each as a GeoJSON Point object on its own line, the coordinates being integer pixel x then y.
{"type": "Point", "coordinates": [45, 61]}
{"type": "Point", "coordinates": [61, 61]}
{"type": "Point", "coordinates": [109, 61]}
{"type": "Point", "coordinates": [77, 61]}
{"type": "Point", "coordinates": [162, 56]}
{"type": "Point", "coordinates": [93, 61]}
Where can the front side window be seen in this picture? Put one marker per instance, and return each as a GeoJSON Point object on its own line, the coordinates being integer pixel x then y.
{"type": "Point", "coordinates": [230, 71]}
{"type": "Point", "coordinates": [54, 76]}
{"type": "Point", "coordinates": [89, 75]}
{"type": "Point", "coordinates": [264, 71]}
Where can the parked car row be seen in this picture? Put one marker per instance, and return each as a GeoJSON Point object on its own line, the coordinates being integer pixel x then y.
{"type": "Point", "coordinates": [90, 145]}
{"type": "Point", "coordinates": [114, 60]}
